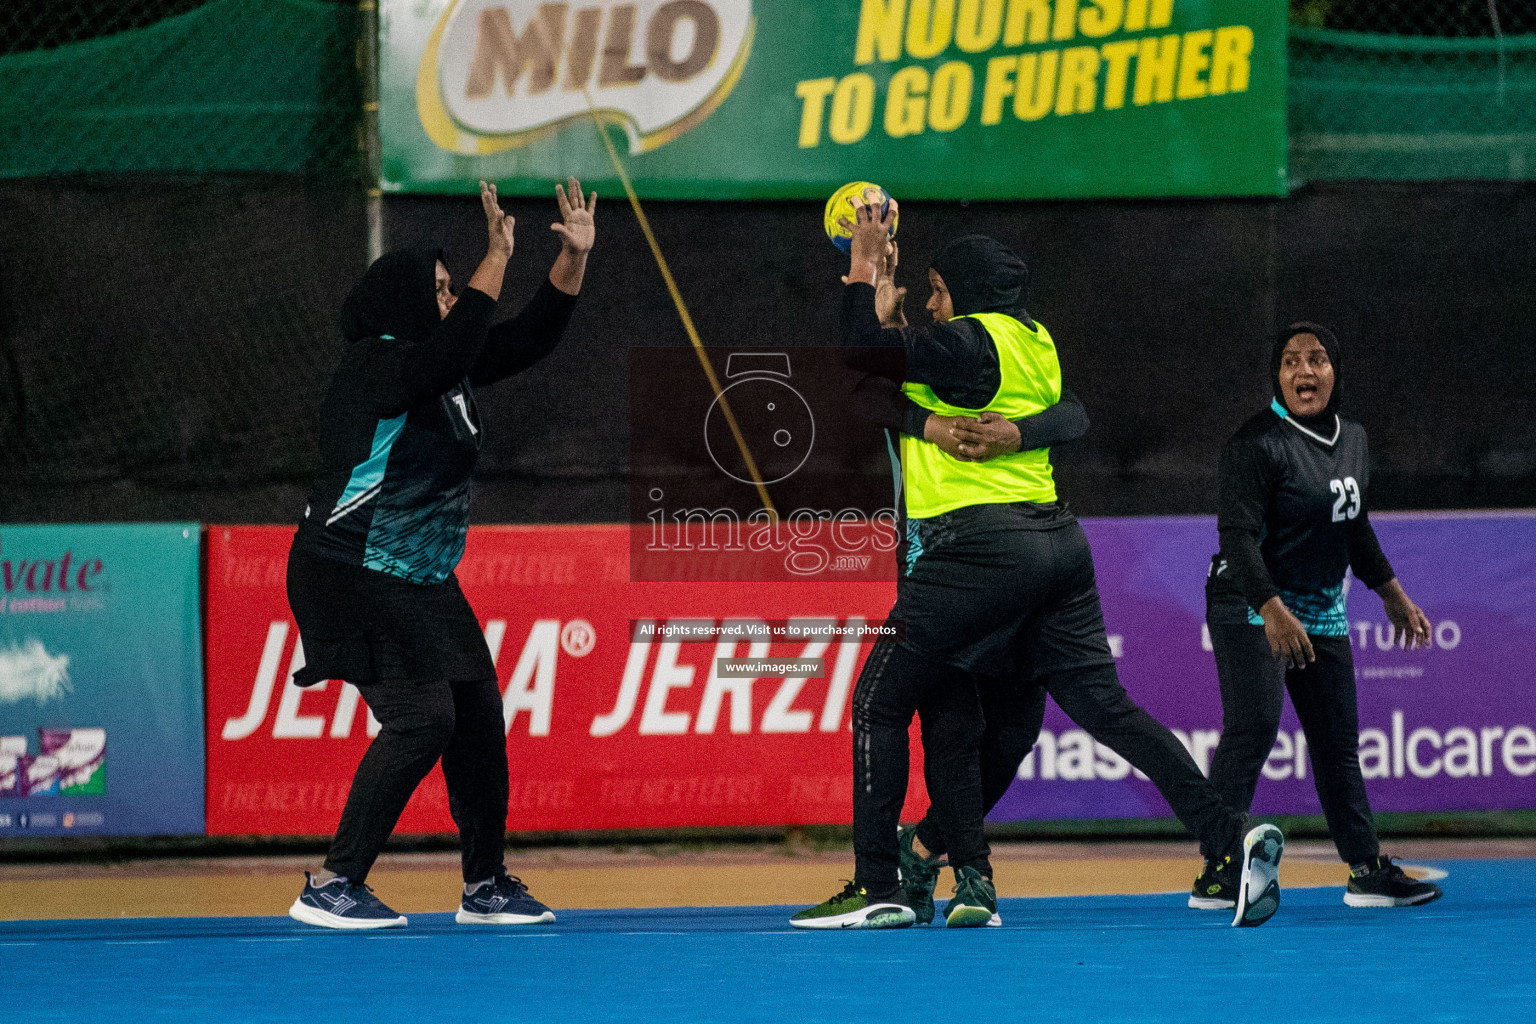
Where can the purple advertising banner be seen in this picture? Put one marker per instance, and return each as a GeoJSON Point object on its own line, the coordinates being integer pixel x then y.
{"type": "Point", "coordinates": [1448, 728]}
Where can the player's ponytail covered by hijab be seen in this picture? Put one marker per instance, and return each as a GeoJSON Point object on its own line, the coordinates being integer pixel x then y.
{"type": "Point", "coordinates": [394, 298]}
{"type": "Point", "coordinates": [983, 276]}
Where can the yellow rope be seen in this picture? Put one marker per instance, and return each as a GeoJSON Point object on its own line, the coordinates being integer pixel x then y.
{"type": "Point", "coordinates": [682, 310]}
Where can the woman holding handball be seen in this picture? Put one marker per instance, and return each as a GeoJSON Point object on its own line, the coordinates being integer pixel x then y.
{"type": "Point", "coordinates": [370, 574]}
{"type": "Point", "coordinates": [1292, 518]}
{"type": "Point", "coordinates": [990, 553]}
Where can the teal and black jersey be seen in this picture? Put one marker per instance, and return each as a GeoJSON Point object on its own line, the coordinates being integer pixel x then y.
{"type": "Point", "coordinates": [403, 507]}
{"type": "Point", "coordinates": [1291, 515]}
{"type": "Point", "coordinates": [399, 436]}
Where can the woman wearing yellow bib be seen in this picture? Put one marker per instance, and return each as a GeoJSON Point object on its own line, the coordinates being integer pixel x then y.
{"type": "Point", "coordinates": [990, 555]}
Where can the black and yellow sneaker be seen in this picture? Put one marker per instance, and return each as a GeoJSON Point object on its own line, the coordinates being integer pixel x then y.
{"type": "Point", "coordinates": [1214, 888]}
{"type": "Point", "coordinates": [1258, 889]}
{"type": "Point", "coordinates": [1381, 883]}
{"type": "Point", "coordinates": [919, 875]}
{"type": "Point", "coordinates": [975, 901]}
{"type": "Point", "coordinates": [854, 907]}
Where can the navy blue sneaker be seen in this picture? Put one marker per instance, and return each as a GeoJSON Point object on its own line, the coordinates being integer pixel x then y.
{"type": "Point", "coordinates": [340, 903]}
{"type": "Point", "coordinates": [504, 900]}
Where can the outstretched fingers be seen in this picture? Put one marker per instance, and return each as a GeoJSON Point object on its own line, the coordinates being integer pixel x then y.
{"type": "Point", "coordinates": [570, 197]}
{"type": "Point", "coordinates": [488, 200]}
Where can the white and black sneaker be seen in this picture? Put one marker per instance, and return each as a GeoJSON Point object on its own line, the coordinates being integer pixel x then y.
{"type": "Point", "coordinates": [1381, 883]}
{"type": "Point", "coordinates": [856, 907]}
{"type": "Point", "coordinates": [343, 904]}
{"type": "Point", "coordinates": [502, 900]}
{"type": "Point", "coordinates": [1258, 889]}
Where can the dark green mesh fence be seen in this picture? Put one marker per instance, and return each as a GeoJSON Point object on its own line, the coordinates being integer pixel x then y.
{"type": "Point", "coordinates": [177, 86]}
{"type": "Point", "coordinates": [1391, 89]}
{"type": "Point", "coordinates": [1413, 89]}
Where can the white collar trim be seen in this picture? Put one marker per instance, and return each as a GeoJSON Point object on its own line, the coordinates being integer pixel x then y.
{"type": "Point", "coordinates": [1285, 414]}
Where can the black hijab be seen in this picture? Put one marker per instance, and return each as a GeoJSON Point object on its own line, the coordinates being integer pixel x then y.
{"type": "Point", "coordinates": [397, 296]}
{"type": "Point", "coordinates": [983, 276]}
{"type": "Point", "coordinates": [1323, 421]}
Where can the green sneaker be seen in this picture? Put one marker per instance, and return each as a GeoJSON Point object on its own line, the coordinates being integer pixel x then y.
{"type": "Point", "coordinates": [975, 901]}
{"type": "Point", "coordinates": [919, 875]}
{"type": "Point", "coordinates": [854, 907]}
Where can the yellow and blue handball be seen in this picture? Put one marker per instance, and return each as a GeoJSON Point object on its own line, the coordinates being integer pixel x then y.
{"type": "Point", "coordinates": [841, 205]}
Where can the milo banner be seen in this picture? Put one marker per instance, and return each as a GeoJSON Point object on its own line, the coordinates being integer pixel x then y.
{"type": "Point", "coordinates": [757, 99]}
{"type": "Point", "coordinates": [101, 703]}
{"type": "Point", "coordinates": [642, 704]}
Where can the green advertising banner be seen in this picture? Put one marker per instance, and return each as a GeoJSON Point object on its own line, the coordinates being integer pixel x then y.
{"type": "Point", "coordinates": [778, 99]}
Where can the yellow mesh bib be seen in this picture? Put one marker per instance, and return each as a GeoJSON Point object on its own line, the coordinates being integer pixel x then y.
{"type": "Point", "coordinates": [935, 483]}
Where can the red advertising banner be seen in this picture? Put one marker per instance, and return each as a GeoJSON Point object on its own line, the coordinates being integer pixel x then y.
{"type": "Point", "coordinates": [619, 714]}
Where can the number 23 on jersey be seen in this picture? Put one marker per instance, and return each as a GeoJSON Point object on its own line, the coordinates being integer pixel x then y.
{"type": "Point", "coordinates": [1346, 503]}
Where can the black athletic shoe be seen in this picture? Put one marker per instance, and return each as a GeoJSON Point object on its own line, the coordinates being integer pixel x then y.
{"type": "Point", "coordinates": [975, 902]}
{"type": "Point", "coordinates": [339, 903]}
{"type": "Point", "coordinates": [1384, 884]}
{"type": "Point", "coordinates": [503, 900]}
{"type": "Point", "coordinates": [1258, 890]}
{"type": "Point", "coordinates": [854, 907]}
{"type": "Point", "coordinates": [919, 875]}
{"type": "Point", "coordinates": [1215, 888]}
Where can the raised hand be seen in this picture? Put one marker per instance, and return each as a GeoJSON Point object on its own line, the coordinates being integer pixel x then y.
{"type": "Point", "coordinates": [888, 297]}
{"type": "Point", "coordinates": [872, 243]}
{"type": "Point", "coordinates": [498, 222]}
{"type": "Point", "coordinates": [578, 230]}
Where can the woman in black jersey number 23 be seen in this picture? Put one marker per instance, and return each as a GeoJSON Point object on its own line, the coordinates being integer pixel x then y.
{"type": "Point", "coordinates": [1292, 518]}
{"type": "Point", "coordinates": [371, 573]}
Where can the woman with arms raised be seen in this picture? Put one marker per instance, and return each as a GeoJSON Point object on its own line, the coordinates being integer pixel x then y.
{"type": "Point", "coordinates": [370, 575]}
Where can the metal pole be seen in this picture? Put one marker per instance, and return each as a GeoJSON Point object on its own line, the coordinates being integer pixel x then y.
{"type": "Point", "coordinates": [368, 70]}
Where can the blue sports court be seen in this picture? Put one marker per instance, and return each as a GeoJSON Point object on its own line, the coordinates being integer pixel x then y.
{"type": "Point", "coordinates": [1128, 958]}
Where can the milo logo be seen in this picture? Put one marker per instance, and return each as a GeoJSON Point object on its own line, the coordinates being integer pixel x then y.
{"type": "Point", "coordinates": [500, 73]}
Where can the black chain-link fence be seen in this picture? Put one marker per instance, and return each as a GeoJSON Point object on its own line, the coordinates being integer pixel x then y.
{"type": "Point", "coordinates": [178, 86]}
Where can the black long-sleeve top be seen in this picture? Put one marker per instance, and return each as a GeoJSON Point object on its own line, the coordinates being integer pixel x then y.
{"type": "Point", "coordinates": [399, 435]}
{"type": "Point", "coordinates": [956, 358]}
{"type": "Point", "coordinates": [1292, 517]}
{"type": "Point", "coordinates": [880, 401]}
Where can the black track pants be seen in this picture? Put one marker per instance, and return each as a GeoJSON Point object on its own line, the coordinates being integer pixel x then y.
{"type": "Point", "coordinates": [1013, 713]}
{"type": "Point", "coordinates": [420, 722]}
{"type": "Point", "coordinates": [1092, 696]}
{"type": "Point", "coordinates": [894, 685]}
{"type": "Point", "coordinates": [1094, 699]}
{"type": "Point", "coordinates": [981, 585]}
{"type": "Point", "coordinates": [1253, 682]}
